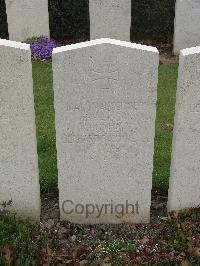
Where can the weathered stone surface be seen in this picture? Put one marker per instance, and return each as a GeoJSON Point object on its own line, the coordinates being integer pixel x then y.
{"type": "Point", "coordinates": [105, 104]}
{"type": "Point", "coordinates": [19, 175]}
{"type": "Point", "coordinates": [187, 25]}
{"type": "Point", "coordinates": [110, 19]}
{"type": "Point", "coordinates": [27, 19]}
{"type": "Point", "coordinates": [184, 190]}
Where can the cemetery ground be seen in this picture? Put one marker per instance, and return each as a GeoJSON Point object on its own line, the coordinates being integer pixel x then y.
{"type": "Point", "coordinates": [172, 239]}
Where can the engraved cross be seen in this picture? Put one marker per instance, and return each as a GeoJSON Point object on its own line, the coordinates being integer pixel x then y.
{"type": "Point", "coordinates": [105, 76]}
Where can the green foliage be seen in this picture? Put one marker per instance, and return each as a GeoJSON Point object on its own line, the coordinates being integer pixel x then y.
{"type": "Point", "coordinates": [20, 243]}
{"type": "Point", "coordinates": [177, 244]}
{"type": "Point", "coordinates": [31, 40]}
{"type": "Point", "coordinates": [181, 234]}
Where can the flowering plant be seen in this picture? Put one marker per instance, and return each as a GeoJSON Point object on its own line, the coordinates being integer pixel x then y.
{"type": "Point", "coordinates": [42, 47]}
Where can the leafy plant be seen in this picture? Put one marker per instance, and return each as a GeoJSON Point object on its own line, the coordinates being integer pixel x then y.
{"type": "Point", "coordinates": [20, 241]}
{"type": "Point", "coordinates": [4, 204]}
{"type": "Point", "coordinates": [32, 40]}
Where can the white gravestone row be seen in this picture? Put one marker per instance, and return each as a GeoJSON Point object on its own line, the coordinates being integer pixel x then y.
{"type": "Point", "coordinates": [30, 18]}
{"type": "Point", "coordinates": [19, 175]}
{"type": "Point", "coordinates": [27, 19]}
{"type": "Point", "coordinates": [184, 190]}
{"type": "Point", "coordinates": [105, 105]}
{"type": "Point", "coordinates": [187, 25]}
{"type": "Point", "coordinates": [110, 19]}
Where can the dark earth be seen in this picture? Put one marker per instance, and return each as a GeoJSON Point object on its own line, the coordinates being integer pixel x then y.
{"type": "Point", "coordinates": [66, 236]}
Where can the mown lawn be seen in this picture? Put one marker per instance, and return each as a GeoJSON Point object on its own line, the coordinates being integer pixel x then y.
{"type": "Point", "coordinates": [45, 122]}
{"type": "Point", "coordinates": [165, 117]}
{"type": "Point", "coordinates": [43, 91]}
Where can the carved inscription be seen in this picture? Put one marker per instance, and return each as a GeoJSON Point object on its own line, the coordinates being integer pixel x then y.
{"type": "Point", "coordinates": [104, 74]}
{"type": "Point", "coordinates": [101, 120]}
{"type": "Point", "coordinates": [104, 106]}
{"type": "Point", "coordinates": [111, 4]}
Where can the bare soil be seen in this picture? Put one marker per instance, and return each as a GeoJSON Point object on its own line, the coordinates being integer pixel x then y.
{"type": "Point", "coordinates": [67, 236]}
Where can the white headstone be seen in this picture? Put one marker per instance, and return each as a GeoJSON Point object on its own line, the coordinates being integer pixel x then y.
{"type": "Point", "coordinates": [110, 19]}
{"type": "Point", "coordinates": [19, 175]}
{"type": "Point", "coordinates": [105, 104]}
{"type": "Point", "coordinates": [187, 25]}
{"type": "Point", "coordinates": [184, 190]}
{"type": "Point", "coordinates": [27, 19]}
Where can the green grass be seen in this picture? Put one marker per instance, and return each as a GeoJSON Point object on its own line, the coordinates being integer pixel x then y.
{"type": "Point", "coordinates": [45, 122]}
{"type": "Point", "coordinates": [43, 91]}
{"type": "Point", "coordinates": [165, 115]}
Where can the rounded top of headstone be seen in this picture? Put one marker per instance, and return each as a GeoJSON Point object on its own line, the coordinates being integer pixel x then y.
{"type": "Point", "coordinates": [190, 51]}
{"type": "Point", "coordinates": [105, 41]}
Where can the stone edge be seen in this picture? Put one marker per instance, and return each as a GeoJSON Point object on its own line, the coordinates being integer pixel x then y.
{"type": "Point", "coordinates": [190, 51]}
{"type": "Point", "coordinates": [105, 41]}
{"type": "Point", "coordinates": [14, 44]}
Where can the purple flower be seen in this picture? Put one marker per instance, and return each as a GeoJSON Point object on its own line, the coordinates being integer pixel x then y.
{"type": "Point", "coordinates": [43, 39]}
{"type": "Point", "coordinates": [2, 210]}
{"type": "Point", "coordinates": [43, 47]}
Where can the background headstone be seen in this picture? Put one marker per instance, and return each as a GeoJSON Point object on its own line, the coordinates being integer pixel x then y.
{"type": "Point", "coordinates": [105, 104]}
{"type": "Point", "coordinates": [27, 19]}
{"type": "Point", "coordinates": [187, 25]}
{"type": "Point", "coordinates": [184, 190]}
{"type": "Point", "coordinates": [19, 175]}
{"type": "Point", "coordinates": [110, 19]}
